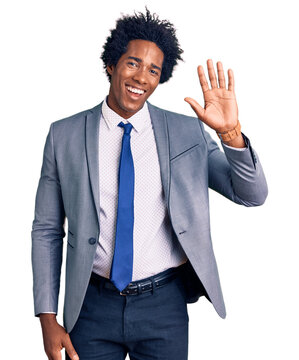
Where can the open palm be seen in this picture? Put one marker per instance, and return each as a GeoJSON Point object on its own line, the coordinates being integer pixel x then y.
{"type": "Point", "coordinates": [220, 111]}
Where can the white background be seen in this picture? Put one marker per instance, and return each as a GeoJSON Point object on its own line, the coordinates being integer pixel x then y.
{"type": "Point", "coordinates": [50, 69]}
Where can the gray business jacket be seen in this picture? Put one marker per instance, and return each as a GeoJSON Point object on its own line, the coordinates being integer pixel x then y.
{"type": "Point", "coordinates": [190, 163]}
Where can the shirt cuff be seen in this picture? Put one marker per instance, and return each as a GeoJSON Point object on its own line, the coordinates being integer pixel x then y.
{"type": "Point", "coordinates": [235, 148]}
{"type": "Point", "coordinates": [47, 312]}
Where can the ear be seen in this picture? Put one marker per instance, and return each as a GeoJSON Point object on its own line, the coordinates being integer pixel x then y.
{"type": "Point", "coordinates": [110, 69]}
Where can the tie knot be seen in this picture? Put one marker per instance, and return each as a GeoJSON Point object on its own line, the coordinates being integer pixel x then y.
{"type": "Point", "coordinates": [127, 127]}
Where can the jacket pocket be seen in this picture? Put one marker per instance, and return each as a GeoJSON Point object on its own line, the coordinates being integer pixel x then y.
{"type": "Point", "coordinates": [184, 153]}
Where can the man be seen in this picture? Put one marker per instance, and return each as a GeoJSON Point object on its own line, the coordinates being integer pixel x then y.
{"type": "Point", "coordinates": [132, 180]}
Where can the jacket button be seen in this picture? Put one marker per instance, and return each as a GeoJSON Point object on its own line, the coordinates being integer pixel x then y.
{"type": "Point", "coordinates": [92, 241]}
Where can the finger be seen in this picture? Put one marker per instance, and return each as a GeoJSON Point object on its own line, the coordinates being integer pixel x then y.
{"type": "Point", "coordinates": [212, 75]}
{"type": "Point", "coordinates": [70, 349]}
{"type": "Point", "coordinates": [196, 107]}
{"type": "Point", "coordinates": [231, 80]}
{"type": "Point", "coordinates": [202, 79]}
{"type": "Point", "coordinates": [221, 77]}
{"type": "Point", "coordinates": [56, 356]}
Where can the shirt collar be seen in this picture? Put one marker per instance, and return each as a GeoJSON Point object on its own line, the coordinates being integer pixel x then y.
{"type": "Point", "coordinates": [138, 120]}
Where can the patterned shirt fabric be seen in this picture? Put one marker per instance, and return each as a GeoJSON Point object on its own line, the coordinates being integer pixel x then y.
{"type": "Point", "coordinates": [155, 246]}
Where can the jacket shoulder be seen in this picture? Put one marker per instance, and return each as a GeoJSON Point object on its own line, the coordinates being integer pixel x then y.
{"type": "Point", "coordinates": [173, 115]}
{"type": "Point", "coordinates": [186, 125]}
{"type": "Point", "coordinates": [76, 119]}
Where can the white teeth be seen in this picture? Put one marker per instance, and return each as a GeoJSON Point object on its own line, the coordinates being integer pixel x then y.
{"type": "Point", "coordinates": [134, 90]}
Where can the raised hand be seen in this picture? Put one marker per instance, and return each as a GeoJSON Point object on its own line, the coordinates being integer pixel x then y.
{"type": "Point", "coordinates": [220, 111]}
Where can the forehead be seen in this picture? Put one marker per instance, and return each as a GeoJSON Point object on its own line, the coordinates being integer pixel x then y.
{"type": "Point", "coordinates": [146, 51]}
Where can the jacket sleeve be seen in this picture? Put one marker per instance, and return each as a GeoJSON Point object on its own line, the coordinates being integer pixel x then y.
{"type": "Point", "coordinates": [47, 233]}
{"type": "Point", "coordinates": [237, 175]}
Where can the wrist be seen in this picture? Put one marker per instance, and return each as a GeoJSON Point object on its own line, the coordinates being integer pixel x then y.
{"type": "Point", "coordinates": [230, 135]}
{"type": "Point", "coordinates": [47, 318]}
{"type": "Point", "coordinates": [237, 142]}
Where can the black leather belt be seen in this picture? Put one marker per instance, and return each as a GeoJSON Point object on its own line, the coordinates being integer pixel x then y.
{"type": "Point", "coordinates": [142, 286]}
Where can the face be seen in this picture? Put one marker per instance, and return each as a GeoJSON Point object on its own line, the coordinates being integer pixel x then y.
{"type": "Point", "coordinates": [135, 77]}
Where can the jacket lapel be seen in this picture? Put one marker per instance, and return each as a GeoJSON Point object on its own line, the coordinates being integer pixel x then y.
{"type": "Point", "coordinates": [159, 121]}
{"type": "Point", "coordinates": [92, 151]}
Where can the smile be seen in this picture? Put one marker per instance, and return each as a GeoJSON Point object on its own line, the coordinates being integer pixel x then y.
{"type": "Point", "coordinates": [135, 90]}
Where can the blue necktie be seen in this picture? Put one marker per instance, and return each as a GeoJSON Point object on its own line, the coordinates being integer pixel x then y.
{"type": "Point", "coordinates": [122, 264]}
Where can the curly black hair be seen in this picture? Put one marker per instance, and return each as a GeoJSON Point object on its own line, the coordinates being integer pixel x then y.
{"type": "Point", "coordinates": [144, 27]}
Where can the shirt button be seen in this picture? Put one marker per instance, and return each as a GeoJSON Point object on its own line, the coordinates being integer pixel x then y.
{"type": "Point", "coordinates": [92, 241]}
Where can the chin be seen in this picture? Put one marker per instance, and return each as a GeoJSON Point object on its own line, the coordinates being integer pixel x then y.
{"type": "Point", "coordinates": [132, 108]}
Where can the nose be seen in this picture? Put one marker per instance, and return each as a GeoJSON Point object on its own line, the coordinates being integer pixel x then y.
{"type": "Point", "coordinates": [140, 76]}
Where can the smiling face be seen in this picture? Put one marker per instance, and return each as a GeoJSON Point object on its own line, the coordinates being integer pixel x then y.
{"type": "Point", "coordinates": [135, 77]}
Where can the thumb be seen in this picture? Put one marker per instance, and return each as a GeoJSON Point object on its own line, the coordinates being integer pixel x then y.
{"type": "Point", "coordinates": [196, 107]}
{"type": "Point", "coordinates": [70, 349]}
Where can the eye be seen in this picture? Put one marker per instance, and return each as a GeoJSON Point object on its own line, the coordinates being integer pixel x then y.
{"type": "Point", "coordinates": [131, 63]}
{"type": "Point", "coordinates": [154, 72]}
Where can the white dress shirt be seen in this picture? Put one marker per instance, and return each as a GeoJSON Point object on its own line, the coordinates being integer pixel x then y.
{"type": "Point", "coordinates": [155, 247]}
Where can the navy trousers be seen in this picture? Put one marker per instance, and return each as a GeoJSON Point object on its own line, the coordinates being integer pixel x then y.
{"type": "Point", "coordinates": [149, 326]}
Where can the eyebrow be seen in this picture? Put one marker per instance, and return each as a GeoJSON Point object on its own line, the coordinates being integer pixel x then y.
{"type": "Point", "coordinates": [140, 61]}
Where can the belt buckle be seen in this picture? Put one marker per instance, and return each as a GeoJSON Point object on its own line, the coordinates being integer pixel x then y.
{"type": "Point", "coordinates": [121, 292]}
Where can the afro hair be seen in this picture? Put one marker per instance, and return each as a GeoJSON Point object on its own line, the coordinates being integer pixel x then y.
{"type": "Point", "coordinates": [144, 27]}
